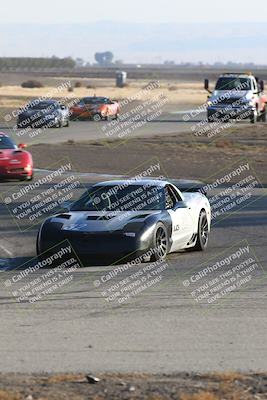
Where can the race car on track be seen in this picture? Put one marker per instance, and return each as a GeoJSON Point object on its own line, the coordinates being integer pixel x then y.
{"type": "Point", "coordinates": [96, 108]}
{"type": "Point", "coordinates": [45, 113]}
{"type": "Point", "coordinates": [15, 162]}
{"type": "Point", "coordinates": [120, 219]}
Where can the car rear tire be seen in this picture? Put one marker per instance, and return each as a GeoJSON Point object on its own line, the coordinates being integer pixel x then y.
{"type": "Point", "coordinates": [203, 232]}
{"type": "Point", "coordinates": [160, 243]}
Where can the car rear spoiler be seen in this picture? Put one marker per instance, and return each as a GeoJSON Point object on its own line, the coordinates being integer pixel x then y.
{"type": "Point", "coordinates": [189, 186]}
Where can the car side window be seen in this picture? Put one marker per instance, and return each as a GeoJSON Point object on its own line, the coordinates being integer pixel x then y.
{"type": "Point", "coordinates": [176, 194]}
{"type": "Point", "coordinates": [170, 198]}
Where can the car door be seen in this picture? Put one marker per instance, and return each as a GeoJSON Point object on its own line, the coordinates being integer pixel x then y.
{"type": "Point", "coordinates": [256, 96]}
{"type": "Point", "coordinates": [182, 226]}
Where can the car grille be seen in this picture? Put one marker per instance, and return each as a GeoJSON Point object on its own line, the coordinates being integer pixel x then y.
{"type": "Point", "coordinates": [232, 100]}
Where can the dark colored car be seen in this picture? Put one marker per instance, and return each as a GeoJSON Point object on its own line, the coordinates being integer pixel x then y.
{"type": "Point", "coordinates": [119, 219]}
{"type": "Point", "coordinates": [47, 113]}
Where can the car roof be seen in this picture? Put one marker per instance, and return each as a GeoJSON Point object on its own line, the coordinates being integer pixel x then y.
{"type": "Point", "coordinates": [44, 101]}
{"type": "Point", "coordinates": [94, 98]}
{"type": "Point", "coordinates": [132, 182]}
{"type": "Point", "coordinates": [37, 102]}
{"type": "Point", "coordinates": [233, 75]}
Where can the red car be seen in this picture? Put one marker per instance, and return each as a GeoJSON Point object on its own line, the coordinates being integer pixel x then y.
{"type": "Point", "coordinates": [15, 162]}
{"type": "Point", "coordinates": [96, 108]}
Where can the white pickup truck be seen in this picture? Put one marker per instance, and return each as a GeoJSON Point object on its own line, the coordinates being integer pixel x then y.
{"type": "Point", "coordinates": [236, 96]}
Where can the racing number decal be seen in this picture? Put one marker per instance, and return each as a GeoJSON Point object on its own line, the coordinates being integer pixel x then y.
{"type": "Point", "coordinates": [74, 227]}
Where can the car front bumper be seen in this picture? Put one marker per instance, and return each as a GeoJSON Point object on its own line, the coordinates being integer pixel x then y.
{"type": "Point", "coordinates": [16, 172]}
{"type": "Point", "coordinates": [89, 246]}
{"type": "Point", "coordinates": [231, 112]}
{"type": "Point", "coordinates": [41, 123]}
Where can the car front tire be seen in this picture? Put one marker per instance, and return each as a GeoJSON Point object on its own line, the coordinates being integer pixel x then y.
{"type": "Point", "coordinates": [254, 117]}
{"type": "Point", "coordinates": [203, 232]}
{"type": "Point", "coordinates": [160, 243]}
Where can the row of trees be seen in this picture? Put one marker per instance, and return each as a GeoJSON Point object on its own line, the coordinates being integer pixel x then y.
{"type": "Point", "coordinates": [7, 63]}
{"type": "Point", "coordinates": [35, 63]}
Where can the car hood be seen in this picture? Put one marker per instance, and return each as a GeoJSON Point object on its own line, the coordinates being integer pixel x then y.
{"type": "Point", "coordinates": [29, 113]}
{"type": "Point", "coordinates": [81, 221]}
{"type": "Point", "coordinates": [10, 154]}
{"type": "Point", "coordinates": [224, 94]}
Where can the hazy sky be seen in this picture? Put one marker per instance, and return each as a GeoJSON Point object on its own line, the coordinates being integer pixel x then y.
{"type": "Point", "coordinates": [180, 30]}
{"type": "Point", "coordinates": [62, 11]}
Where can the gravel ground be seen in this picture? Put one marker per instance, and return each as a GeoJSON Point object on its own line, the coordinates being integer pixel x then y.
{"type": "Point", "coordinates": [184, 386]}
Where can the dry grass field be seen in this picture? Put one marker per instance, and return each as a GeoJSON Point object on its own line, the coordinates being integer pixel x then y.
{"type": "Point", "coordinates": [179, 93]}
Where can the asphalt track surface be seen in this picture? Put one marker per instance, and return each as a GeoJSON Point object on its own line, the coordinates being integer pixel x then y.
{"type": "Point", "coordinates": [89, 130]}
{"type": "Point", "coordinates": [168, 122]}
{"type": "Point", "coordinates": [162, 329]}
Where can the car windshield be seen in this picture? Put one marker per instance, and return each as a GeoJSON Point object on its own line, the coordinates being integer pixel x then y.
{"type": "Point", "coordinates": [43, 106]}
{"type": "Point", "coordinates": [118, 198]}
{"type": "Point", "coordinates": [6, 143]}
{"type": "Point", "coordinates": [94, 100]}
{"type": "Point", "coordinates": [233, 84]}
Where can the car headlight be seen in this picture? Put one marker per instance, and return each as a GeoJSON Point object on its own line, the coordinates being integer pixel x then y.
{"type": "Point", "coordinates": [28, 168]}
{"type": "Point", "coordinates": [247, 102]}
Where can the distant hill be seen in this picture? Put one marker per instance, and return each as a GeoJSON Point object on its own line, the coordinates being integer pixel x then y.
{"type": "Point", "coordinates": [138, 42]}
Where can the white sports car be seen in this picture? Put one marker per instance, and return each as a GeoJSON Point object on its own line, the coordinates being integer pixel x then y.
{"type": "Point", "coordinates": [129, 217]}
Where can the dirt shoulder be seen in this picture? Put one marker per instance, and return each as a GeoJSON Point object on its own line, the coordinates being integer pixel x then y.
{"type": "Point", "coordinates": [180, 156]}
{"type": "Point", "coordinates": [184, 386]}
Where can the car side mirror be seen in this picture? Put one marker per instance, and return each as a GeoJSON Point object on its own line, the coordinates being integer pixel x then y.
{"type": "Point", "coordinates": [22, 146]}
{"type": "Point", "coordinates": [262, 86]}
{"type": "Point", "coordinates": [207, 85]}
